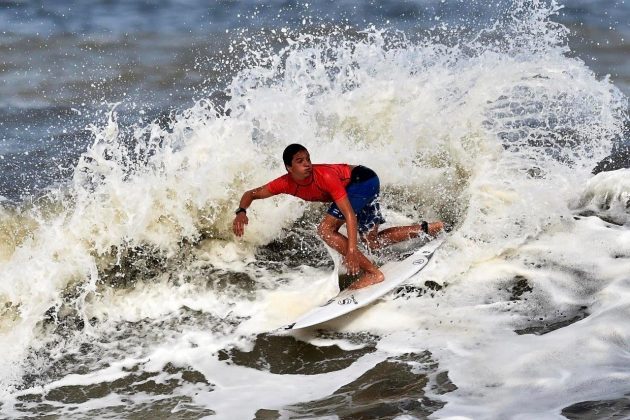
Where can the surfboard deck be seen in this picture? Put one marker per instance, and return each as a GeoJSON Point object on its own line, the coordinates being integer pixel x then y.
{"type": "Point", "coordinates": [396, 273]}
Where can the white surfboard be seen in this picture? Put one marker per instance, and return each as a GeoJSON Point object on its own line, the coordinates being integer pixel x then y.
{"type": "Point", "coordinates": [396, 273]}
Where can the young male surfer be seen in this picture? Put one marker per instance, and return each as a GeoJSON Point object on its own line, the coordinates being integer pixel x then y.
{"type": "Point", "coordinates": [353, 191]}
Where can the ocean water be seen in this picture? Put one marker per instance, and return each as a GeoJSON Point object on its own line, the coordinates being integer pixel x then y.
{"type": "Point", "coordinates": [129, 130]}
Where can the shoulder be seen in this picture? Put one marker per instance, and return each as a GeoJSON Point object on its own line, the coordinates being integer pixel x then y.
{"type": "Point", "coordinates": [280, 184]}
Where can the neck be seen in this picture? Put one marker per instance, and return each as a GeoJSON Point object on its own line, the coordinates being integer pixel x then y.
{"type": "Point", "coordinates": [304, 180]}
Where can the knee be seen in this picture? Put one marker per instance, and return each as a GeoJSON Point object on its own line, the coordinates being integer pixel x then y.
{"type": "Point", "coordinates": [328, 228]}
{"type": "Point", "coordinates": [374, 244]}
{"type": "Point", "coordinates": [324, 230]}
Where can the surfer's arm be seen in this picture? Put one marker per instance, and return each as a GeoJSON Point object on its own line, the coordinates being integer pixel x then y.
{"type": "Point", "coordinates": [240, 220]}
{"type": "Point", "coordinates": [352, 257]}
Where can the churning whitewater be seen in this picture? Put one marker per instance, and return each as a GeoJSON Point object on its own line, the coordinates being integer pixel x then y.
{"type": "Point", "coordinates": [123, 291]}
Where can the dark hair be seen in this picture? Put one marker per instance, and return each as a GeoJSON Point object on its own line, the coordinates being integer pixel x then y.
{"type": "Point", "coordinates": [290, 151]}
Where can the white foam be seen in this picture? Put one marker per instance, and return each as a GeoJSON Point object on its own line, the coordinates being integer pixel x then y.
{"type": "Point", "coordinates": [608, 195]}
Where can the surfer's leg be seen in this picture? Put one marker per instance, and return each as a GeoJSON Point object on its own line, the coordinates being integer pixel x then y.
{"type": "Point", "coordinates": [392, 235]}
{"type": "Point", "coordinates": [328, 230]}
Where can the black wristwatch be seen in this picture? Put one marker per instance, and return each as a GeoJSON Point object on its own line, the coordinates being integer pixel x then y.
{"type": "Point", "coordinates": [240, 210]}
{"type": "Point", "coordinates": [425, 227]}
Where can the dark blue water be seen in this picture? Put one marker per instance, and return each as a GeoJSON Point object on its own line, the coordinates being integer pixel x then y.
{"type": "Point", "coordinates": [64, 63]}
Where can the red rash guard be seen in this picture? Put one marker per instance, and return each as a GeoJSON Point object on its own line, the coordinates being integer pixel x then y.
{"type": "Point", "coordinates": [326, 183]}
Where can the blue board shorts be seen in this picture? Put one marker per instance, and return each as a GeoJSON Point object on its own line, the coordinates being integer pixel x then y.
{"type": "Point", "coordinates": [363, 192]}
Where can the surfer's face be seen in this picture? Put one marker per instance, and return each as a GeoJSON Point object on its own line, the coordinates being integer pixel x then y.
{"type": "Point", "coordinates": [301, 167]}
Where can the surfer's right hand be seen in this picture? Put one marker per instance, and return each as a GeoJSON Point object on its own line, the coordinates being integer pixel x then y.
{"type": "Point", "coordinates": [238, 226]}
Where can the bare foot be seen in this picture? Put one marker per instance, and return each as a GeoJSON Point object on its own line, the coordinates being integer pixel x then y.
{"type": "Point", "coordinates": [366, 280]}
{"type": "Point", "coordinates": [435, 228]}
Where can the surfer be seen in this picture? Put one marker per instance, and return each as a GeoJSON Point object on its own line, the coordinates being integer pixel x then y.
{"type": "Point", "coordinates": [353, 191]}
